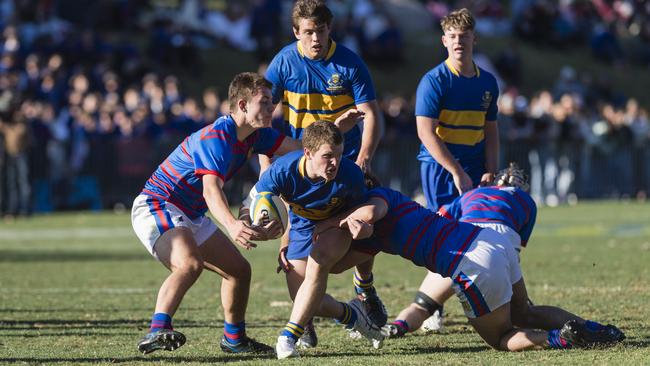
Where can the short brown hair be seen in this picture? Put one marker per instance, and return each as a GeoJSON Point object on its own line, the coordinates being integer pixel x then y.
{"type": "Point", "coordinates": [319, 133]}
{"type": "Point", "coordinates": [314, 10]}
{"type": "Point", "coordinates": [458, 19]}
{"type": "Point", "coordinates": [245, 86]}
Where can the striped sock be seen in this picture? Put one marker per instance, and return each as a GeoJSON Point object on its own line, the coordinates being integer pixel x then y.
{"type": "Point", "coordinates": [361, 285]}
{"type": "Point", "coordinates": [402, 324]}
{"type": "Point", "coordinates": [293, 331]}
{"type": "Point", "coordinates": [160, 321]}
{"type": "Point", "coordinates": [557, 342]}
{"type": "Point", "coordinates": [234, 332]}
{"type": "Point", "coordinates": [349, 316]}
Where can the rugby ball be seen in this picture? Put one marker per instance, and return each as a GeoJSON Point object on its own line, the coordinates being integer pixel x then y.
{"type": "Point", "coordinates": [265, 207]}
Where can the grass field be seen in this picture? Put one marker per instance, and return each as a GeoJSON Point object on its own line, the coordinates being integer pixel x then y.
{"type": "Point", "coordinates": [79, 289]}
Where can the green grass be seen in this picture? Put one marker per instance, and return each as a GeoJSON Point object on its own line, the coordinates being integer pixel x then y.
{"type": "Point", "coordinates": [79, 289]}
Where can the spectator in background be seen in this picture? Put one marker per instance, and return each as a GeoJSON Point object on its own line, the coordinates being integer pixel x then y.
{"type": "Point", "coordinates": [17, 139]}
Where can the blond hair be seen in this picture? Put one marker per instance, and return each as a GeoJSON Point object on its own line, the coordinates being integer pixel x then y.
{"type": "Point", "coordinates": [314, 10]}
{"type": "Point", "coordinates": [461, 20]}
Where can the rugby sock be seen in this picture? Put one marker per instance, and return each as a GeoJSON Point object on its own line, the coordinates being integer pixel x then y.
{"type": "Point", "coordinates": [160, 321]}
{"type": "Point", "coordinates": [361, 285]}
{"type": "Point", "coordinates": [234, 332]}
{"type": "Point", "coordinates": [557, 342]}
{"type": "Point", "coordinates": [402, 324]}
{"type": "Point", "coordinates": [293, 331]}
{"type": "Point", "coordinates": [349, 316]}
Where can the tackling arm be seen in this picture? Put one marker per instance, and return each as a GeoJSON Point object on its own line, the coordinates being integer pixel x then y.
{"type": "Point", "coordinates": [373, 128]}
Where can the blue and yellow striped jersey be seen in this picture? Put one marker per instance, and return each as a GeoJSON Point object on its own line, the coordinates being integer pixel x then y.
{"type": "Point", "coordinates": [311, 201]}
{"type": "Point", "coordinates": [320, 89]}
{"type": "Point", "coordinates": [461, 105]}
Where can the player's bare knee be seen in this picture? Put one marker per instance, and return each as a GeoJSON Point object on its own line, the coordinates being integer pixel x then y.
{"type": "Point", "coordinates": [242, 272]}
{"type": "Point", "coordinates": [190, 266]}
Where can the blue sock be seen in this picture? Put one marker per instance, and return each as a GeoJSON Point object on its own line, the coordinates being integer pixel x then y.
{"type": "Point", "coordinates": [361, 285]}
{"type": "Point", "coordinates": [349, 316]}
{"type": "Point", "coordinates": [293, 331]}
{"type": "Point", "coordinates": [555, 341]}
{"type": "Point", "coordinates": [234, 332]}
{"type": "Point", "coordinates": [160, 321]}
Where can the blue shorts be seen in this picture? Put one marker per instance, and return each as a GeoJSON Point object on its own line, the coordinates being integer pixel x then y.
{"type": "Point", "coordinates": [299, 244]}
{"type": "Point", "coordinates": [438, 184]}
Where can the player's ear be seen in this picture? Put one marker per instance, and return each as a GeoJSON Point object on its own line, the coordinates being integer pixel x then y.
{"type": "Point", "coordinates": [242, 105]}
{"type": "Point", "coordinates": [306, 152]}
{"type": "Point", "coordinates": [296, 32]}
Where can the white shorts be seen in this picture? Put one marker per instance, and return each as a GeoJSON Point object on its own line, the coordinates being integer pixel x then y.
{"type": "Point", "coordinates": [152, 217]}
{"type": "Point", "coordinates": [513, 237]}
{"type": "Point", "coordinates": [484, 277]}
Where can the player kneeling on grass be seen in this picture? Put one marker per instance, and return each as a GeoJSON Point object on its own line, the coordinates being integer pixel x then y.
{"type": "Point", "coordinates": [169, 215]}
{"type": "Point", "coordinates": [505, 207]}
{"type": "Point", "coordinates": [483, 267]}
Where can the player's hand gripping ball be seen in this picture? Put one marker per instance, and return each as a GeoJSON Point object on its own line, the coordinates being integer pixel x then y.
{"type": "Point", "coordinates": [265, 207]}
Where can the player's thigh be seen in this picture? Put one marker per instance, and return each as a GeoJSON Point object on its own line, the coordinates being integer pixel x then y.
{"type": "Point", "coordinates": [351, 259]}
{"type": "Point", "coordinates": [176, 248]}
{"type": "Point", "coordinates": [221, 256]}
{"type": "Point", "coordinates": [436, 287]}
{"type": "Point", "coordinates": [330, 247]}
{"type": "Point", "coordinates": [492, 326]}
{"type": "Point", "coordinates": [519, 305]}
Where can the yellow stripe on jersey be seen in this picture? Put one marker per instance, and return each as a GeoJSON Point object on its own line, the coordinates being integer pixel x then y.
{"type": "Point", "coordinates": [332, 207]}
{"type": "Point", "coordinates": [303, 120]}
{"type": "Point", "coordinates": [462, 118]}
{"type": "Point", "coordinates": [455, 72]}
{"type": "Point", "coordinates": [317, 102]}
{"type": "Point", "coordinates": [460, 136]}
{"type": "Point", "coordinates": [302, 169]}
{"type": "Point", "coordinates": [330, 52]}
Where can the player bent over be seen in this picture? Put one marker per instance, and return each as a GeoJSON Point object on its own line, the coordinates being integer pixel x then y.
{"type": "Point", "coordinates": [484, 269]}
{"type": "Point", "coordinates": [169, 214]}
{"type": "Point", "coordinates": [317, 183]}
{"type": "Point", "coordinates": [505, 207]}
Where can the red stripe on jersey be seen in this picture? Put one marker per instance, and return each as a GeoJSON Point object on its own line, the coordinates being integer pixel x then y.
{"type": "Point", "coordinates": [429, 220]}
{"type": "Point", "coordinates": [441, 238]}
{"type": "Point", "coordinates": [276, 145]}
{"type": "Point", "coordinates": [210, 133]}
{"type": "Point", "coordinates": [149, 193]}
{"type": "Point", "coordinates": [461, 251]}
{"type": "Point", "coordinates": [444, 213]}
{"type": "Point", "coordinates": [161, 216]}
{"type": "Point", "coordinates": [200, 172]}
{"type": "Point", "coordinates": [184, 149]}
{"type": "Point", "coordinates": [181, 179]}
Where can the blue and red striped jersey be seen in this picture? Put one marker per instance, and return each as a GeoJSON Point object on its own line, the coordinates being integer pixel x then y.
{"type": "Point", "coordinates": [509, 206]}
{"type": "Point", "coordinates": [420, 235]}
{"type": "Point", "coordinates": [214, 150]}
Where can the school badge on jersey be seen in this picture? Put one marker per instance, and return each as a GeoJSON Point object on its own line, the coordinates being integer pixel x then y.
{"type": "Point", "coordinates": [335, 83]}
{"type": "Point", "coordinates": [486, 100]}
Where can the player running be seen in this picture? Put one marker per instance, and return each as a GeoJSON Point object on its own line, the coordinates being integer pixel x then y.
{"type": "Point", "coordinates": [506, 208]}
{"type": "Point", "coordinates": [169, 215]}
{"type": "Point", "coordinates": [317, 183]}
{"type": "Point", "coordinates": [483, 267]}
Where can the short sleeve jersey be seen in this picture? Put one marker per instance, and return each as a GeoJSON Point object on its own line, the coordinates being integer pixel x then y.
{"type": "Point", "coordinates": [214, 150]}
{"type": "Point", "coordinates": [312, 90]}
{"type": "Point", "coordinates": [462, 105]}
{"type": "Point", "coordinates": [420, 235]}
{"type": "Point", "coordinates": [312, 201]}
{"type": "Point", "coordinates": [509, 206]}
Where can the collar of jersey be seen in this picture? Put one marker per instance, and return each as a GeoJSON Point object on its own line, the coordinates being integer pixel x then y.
{"type": "Point", "coordinates": [455, 72]}
{"type": "Point", "coordinates": [302, 170]}
{"type": "Point", "coordinates": [330, 52]}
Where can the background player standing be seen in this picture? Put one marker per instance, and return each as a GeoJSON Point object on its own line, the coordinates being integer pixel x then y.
{"type": "Point", "coordinates": [456, 114]}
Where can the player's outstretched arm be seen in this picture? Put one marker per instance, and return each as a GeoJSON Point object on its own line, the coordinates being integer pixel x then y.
{"type": "Point", "coordinates": [288, 145]}
{"type": "Point", "coordinates": [491, 152]}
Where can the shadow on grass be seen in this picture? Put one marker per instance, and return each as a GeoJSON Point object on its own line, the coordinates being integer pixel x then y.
{"type": "Point", "coordinates": [133, 360]}
{"type": "Point", "coordinates": [115, 323]}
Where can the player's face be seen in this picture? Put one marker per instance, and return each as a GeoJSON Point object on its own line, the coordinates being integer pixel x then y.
{"type": "Point", "coordinates": [459, 44]}
{"type": "Point", "coordinates": [325, 162]}
{"type": "Point", "coordinates": [259, 109]}
{"type": "Point", "coordinates": [314, 39]}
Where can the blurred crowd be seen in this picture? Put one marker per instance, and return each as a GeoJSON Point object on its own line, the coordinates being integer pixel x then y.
{"type": "Point", "coordinates": [86, 114]}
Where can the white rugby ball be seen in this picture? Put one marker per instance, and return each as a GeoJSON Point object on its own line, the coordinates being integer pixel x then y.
{"type": "Point", "coordinates": [266, 205]}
